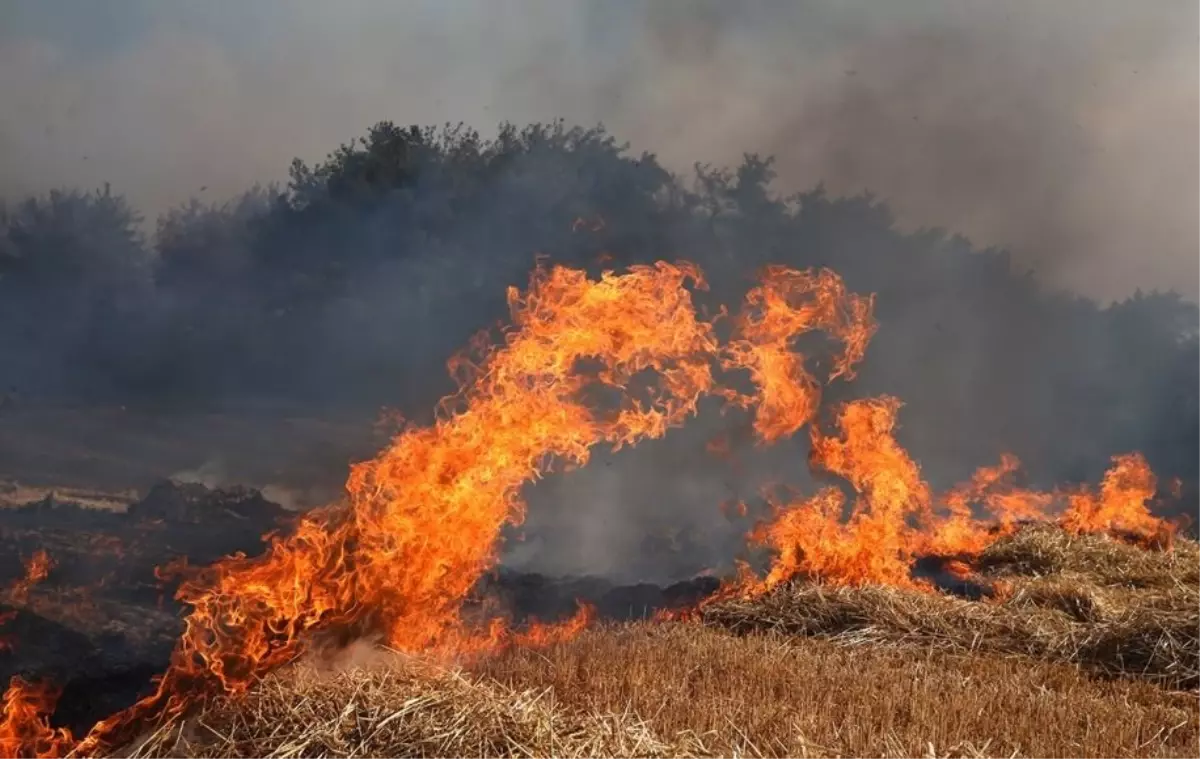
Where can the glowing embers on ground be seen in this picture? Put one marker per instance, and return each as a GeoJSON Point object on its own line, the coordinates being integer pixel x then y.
{"type": "Point", "coordinates": [37, 569]}
{"type": "Point", "coordinates": [422, 520]}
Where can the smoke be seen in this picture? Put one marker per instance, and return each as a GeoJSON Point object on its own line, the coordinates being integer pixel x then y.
{"type": "Point", "coordinates": [211, 474]}
{"type": "Point", "coordinates": [1064, 131]}
{"type": "Point", "coordinates": [661, 512]}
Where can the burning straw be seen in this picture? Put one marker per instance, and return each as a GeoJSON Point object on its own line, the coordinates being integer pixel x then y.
{"type": "Point", "coordinates": [1091, 600]}
{"type": "Point", "coordinates": [423, 518]}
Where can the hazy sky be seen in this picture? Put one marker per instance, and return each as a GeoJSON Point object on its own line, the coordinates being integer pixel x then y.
{"type": "Point", "coordinates": [1065, 130]}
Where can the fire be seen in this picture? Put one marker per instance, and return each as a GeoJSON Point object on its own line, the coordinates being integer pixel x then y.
{"type": "Point", "coordinates": [613, 360]}
{"type": "Point", "coordinates": [423, 518]}
{"type": "Point", "coordinates": [1120, 506]}
{"type": "Point", "coordinates": [786, 305]}
{"type": "Point", "coordinates": [896, 518]}
{"type": "Point", "coordinates": [878, 543]}
{"type": "Point", "coordinates": [959, 532]}
{"type": "Point", "coordinates": [25, 730]}
{"type": "Point", "coordinates": [37, 569]}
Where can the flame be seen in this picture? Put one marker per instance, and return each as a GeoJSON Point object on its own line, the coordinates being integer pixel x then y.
{"type": "Point", "coordinates": [24, 728]}
{"type": "Point", "coordinates": [613, 360]}
{"type": "Point", "coordinates": [1120, 506]}
{"type": "Point", "coordinates": [788, 304]}
{"type": "Point", "coordinates": [877, 544]}
{"type": "Point", "coordinates": [896, 519]}
{"type": "Point", "coordinates": [423, 518]}
{"type": "Point", "coordinates": [37, 569]}
{"type": "Point", "coordinates": [958, 531]}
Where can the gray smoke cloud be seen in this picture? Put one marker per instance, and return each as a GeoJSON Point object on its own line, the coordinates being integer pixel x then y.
{"type": "Point", "coordinates": [1065, 131]}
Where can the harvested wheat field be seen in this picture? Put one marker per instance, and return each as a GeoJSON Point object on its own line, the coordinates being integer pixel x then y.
{"type": "Point", "coordinates": [1090, 650]}
{"type": "Point", "coordinates": [1111, 608]}
{"type": "Point", "coordinates": [688, 690]}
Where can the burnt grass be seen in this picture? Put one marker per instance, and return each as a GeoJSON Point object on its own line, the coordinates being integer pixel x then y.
{"type": "Point", "coordinates": [103, 624]}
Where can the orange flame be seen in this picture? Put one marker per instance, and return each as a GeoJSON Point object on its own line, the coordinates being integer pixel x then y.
{"type": "Point", "coordinates": [37, 569]}
{"type": "Point", "coordinates": [24, 728]}
{"type": "Point", "coordinates": [896, 519]}
{"type": "Point", "coordinates": [1120, 506]}
{"type": "Point", "coordinates": [877, 544]}
{"type": "Point", "coordinates": [608, 361]}
{"type": "Point", "coordinates": [786, 305]}
{"type": "Point", "coordinates": [425, 515]}
{"type": "Point", "coordinates": [957, 531]}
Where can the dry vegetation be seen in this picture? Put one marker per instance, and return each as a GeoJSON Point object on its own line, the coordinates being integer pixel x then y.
{"type": "Point", "coordinates": [768, 695]}
{"type": "Point", "coordinates": [1110, 607]}
{"type": "Point", "coordinates": [1090, 651]}
{"type": "Point", "coordinates": [395, 707]}
{"type": "Point", "coordinates": [684, 689]}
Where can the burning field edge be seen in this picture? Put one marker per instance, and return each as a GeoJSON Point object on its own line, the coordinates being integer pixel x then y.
{"type": "Point", "coordinates": [1084, 586]}
{"type": "Point", "coordinates": [1089, 649]}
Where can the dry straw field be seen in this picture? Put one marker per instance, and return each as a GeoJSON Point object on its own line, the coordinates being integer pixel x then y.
{"type": "Point", "coordinates": [1083, 646]}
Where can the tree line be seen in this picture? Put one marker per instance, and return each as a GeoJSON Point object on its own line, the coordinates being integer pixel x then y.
{"type": "Point", "coordinates": [352, 284]}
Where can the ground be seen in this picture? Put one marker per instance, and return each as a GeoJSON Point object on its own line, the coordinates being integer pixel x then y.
{"type": "Point", "coordinates": [1088, 648]}
{"type": "Point", "coordinates": [1056, 645]}
{"type": "Point", "coordinates": [112, 453]}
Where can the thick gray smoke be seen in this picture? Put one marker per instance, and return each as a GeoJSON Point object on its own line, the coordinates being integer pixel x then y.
{"type": "Point", "coordinates": [1065, 131]}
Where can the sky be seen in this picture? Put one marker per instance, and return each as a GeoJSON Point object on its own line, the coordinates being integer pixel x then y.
{"type": "Point", "coordinates": [1065, 131]}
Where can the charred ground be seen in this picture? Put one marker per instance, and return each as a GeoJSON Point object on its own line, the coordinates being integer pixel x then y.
{"type": "Point", "coordinates": [1076, 612]}
{"type": "Point", "coordinates": [104, 621]}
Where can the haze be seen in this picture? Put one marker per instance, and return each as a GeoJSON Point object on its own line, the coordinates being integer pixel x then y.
{"type": "Point", "coordinates": [1065, 131]}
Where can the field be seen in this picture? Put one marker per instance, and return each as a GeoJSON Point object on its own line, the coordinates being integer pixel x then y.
{"type": "Point", "coordinates": [1052, 645]}
{"type": "Point", "coordinates": [1082, 646]}
{"type": "Point", "coordinates": [108, 454]}
{"type": "Point", "coordinates": [1062, 623]}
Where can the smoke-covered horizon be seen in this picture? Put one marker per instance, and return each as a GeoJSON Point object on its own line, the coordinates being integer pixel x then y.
{"type": "Point", "coordinates": [1065, 132]}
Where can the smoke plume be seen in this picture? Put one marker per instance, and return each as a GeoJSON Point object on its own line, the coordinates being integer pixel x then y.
{"type": "Point", "coordinates": [1065, 132]}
